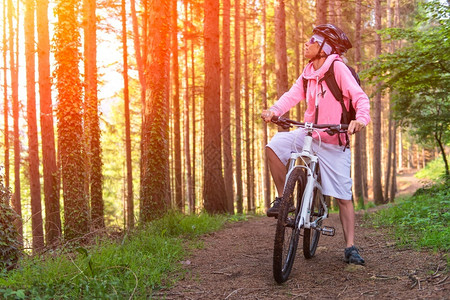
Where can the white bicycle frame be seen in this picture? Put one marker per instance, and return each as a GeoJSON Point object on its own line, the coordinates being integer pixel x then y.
{"type": "Point", "coordinates": [310, 161]}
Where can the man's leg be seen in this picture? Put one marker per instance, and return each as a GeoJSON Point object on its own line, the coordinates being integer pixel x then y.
{"type": "Point", "coordinates": [347, 216]}
{"type": "Point", "coordinates": [277, 169]}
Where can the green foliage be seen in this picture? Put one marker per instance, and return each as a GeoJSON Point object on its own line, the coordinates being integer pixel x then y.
{"type": "Point", "coordinates": [134, 267]}
{"type": "Point", "coordinates": [434, 170]}
{"type": "Point", "coordinates": [420, 221]}
{"type": "Point", "coordinates": [418, 74]}
{"type": "Point", "coordinates": [176, 224]}
{"type": "Point", "coordinates": [9, 243]}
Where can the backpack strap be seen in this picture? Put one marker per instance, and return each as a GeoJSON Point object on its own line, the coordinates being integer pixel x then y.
{"type": "Point", "coordinates": [330, 79]}
{"type": "Point", "coordinates": [305, 85]}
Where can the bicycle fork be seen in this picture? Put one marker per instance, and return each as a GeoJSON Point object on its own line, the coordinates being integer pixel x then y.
{"type": "Point", "coordinates": [305, 211]}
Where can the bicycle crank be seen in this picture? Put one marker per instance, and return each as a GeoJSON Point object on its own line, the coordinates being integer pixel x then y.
{"type": "Point", "coordinates": [329, 231]}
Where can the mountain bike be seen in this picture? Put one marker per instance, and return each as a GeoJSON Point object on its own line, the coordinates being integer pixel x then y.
{"type": "Point", "coordinates": [303, 208]}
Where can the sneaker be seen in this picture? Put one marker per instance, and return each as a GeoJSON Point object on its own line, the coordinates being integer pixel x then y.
{"type": "Point", "coordinates": [273, 211]}
{"type": "Point", "coordinates": [352, 256]}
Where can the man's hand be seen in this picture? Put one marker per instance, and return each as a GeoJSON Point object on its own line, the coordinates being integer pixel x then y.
{"type": "Point", "coordinates": [355, 126]}
{"type": "Point", "coordinates": [267, 115]}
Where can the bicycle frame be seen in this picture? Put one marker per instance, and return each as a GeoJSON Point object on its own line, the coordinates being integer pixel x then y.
{"type": "Point", "coordinates": [309, 160]}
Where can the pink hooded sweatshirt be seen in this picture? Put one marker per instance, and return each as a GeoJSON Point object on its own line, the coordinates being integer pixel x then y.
{"type": "Point", "coordinates": [330, 109]}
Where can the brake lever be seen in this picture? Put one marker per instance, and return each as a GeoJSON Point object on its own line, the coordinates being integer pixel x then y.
{"type": "Point", "coordinates": [282, 124]}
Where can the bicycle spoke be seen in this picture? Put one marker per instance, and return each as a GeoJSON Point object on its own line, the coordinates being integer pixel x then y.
{"type": "Point", "coordinates": [287, 234]}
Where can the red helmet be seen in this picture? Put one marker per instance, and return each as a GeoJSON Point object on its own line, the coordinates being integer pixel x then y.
{"type": "Point", "coordinates": [334, 36]}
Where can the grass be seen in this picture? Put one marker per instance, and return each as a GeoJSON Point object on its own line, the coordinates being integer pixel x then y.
{"type": "Point", "coordinates": [434, 170]}
{"type": "Point", "coordinates": [420, 221]}
{"type": "Point", "coordinates": [134, 267]}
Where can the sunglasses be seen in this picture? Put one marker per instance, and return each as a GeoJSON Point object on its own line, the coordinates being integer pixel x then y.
{"type": "Point", "coordinates": [313, 40]}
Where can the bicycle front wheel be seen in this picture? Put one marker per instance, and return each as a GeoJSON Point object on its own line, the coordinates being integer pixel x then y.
{"type": "Point", "coordinates": [310, 235]}
{"type": "Point", "coordinates": [287, 234]}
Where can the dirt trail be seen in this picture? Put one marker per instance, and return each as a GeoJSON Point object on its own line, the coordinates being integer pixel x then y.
{"type": "Point", "coordinates": [236, 263]}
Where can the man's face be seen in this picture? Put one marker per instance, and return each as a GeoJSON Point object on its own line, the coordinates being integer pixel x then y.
{"type": "Point", "coordinates": [312, 46]}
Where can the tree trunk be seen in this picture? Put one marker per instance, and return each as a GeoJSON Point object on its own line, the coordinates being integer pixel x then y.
{"type": "Point", "coordinates": [5, 98]}
{"type": "Point", "coordinates": [129, 215]}
{"type": "Point", "coordinates": [444, 156]}
{"type": "Point", "coordinates": [50, 169]}
{"type": "Point", "coordinates": [33, 146]}
{"type": "Point", "coordinates": [391, 125]}
{"type": "Point", "coordinates": [237, 103]}
{"type": "Point", "coordinates": [247, 112]}
{"type": "Point", "coordinates": [138, 50]}
{"type": "Point", "coordinates": [281, 52]}
{"type": "Point", "coordinates": [187, 143]}
{"type": "Point", "coordinates": [321, 12]}
{"type": "Point", "coordinates": [358, 168]}
{"type": "Point", "coordinates": [332, 8]}
{"type": "Point", "coordinates": [387, 178]}
{"type": "Point", "coordinates": [226, 113]}
{"type": "Point", "coordinates": [267, 177]}
{"type": "Point", "coordinates": [194, 135]}
{"type": "Point", "coordinates": [92, 123]}
{"type": "Point", "coordinates": [155, 185]}
{"type": "Point", "coordinates": [298, 44]}
{"type": "Point", "coordinates": [176, 110]}
{"type": "Point", "coordinates": [16, 203]}
{"type": "Point", "coordinates": [377, 188]}
{"type": "Point", "coordinates": [214, 193]}
{"type": "Point", "coordinates": [69, 113]}
{"type": "Point", "coordinates": [297, 41]}
{"type": "Point", "coordinates": [394, 164]}
{"type": "Point", "coordinates": [400, 149]}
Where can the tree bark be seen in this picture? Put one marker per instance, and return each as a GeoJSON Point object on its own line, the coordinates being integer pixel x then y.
{"type": "Point", "coordinates": [33, 146]}
{"type": "Point", "coordinates": [214, 193]}
{"type": "Point", "coordinates": [187, 143]}
{"type": "Point", "coordinates": [267, 177]}
{"type": "Point", "coordinates": [438, 139]}
{"type": "Point", "coordinates": [5, 98]}
{"type": "Point", "coordinates": [226, 112]}
{"type": "Point", "coordinates": [391, 126]}
{"type": "Point", "coordinates": [50, 169]}
{"type": "Point", "coordinates": [129, 216]}
{"type": "Point", "coordinates": [237, 104]}
{"type": "Point", "coordinates": [281, 52]}
{"type": "Point", "coordinates": [377, 188]}
{"type": "Point", "coordinates": [92, 123]}
{"type": "Point", "coordinates": [358, 168]}
{"type": "Point", "coordinates": [69, 113]}
{"type": "Point", "coordinates": [194, 135]}
{"type": "Point", "coordinates": [176, 110]}
{"type": "Point", "coordinates": [16, 203]}
{"type": "Point", "coordinates": [247, 112]}
{"type": "Point", "coordinates": [155, 192]}
{"type": "Point", "coordinates": [138, 50]}
{"type": "Point", "coordinates": [321, 12]}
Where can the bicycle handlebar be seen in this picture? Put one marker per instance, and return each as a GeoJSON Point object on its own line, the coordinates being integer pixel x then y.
{"type": "Point", "coordinates": [330, 128]}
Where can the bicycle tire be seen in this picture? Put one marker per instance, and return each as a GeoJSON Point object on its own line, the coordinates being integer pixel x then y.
{"type": "Point", "coordinates": [287, 234]}
{"type": "Point", "coordinates": [311, 236]}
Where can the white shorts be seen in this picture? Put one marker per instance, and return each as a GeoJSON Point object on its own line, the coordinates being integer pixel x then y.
{"type": "Point", "coordinates": [334, 162]}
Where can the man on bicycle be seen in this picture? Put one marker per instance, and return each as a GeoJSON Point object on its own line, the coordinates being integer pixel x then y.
{"type": "Point", "coordinates": [324, 50]}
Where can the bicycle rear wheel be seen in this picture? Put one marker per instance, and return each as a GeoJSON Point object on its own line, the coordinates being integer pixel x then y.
{"type": "Point", "coordinates": [310, 235]}
{"type": "Point", "coordinates": [287, 234]}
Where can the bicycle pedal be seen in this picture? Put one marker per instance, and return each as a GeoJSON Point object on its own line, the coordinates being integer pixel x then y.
{"type": "Point", "coordinates": [329, 231]}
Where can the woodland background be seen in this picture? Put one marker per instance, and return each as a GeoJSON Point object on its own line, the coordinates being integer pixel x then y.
{"type": "Point", "coordinates": [115, 112]}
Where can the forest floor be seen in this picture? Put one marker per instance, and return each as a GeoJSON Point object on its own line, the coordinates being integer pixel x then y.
{"type": "Point", "coordinates": [236, 263]}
